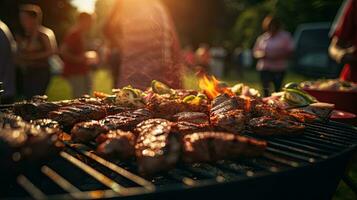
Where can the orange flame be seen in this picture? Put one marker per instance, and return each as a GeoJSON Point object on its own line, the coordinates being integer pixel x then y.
{"type": "Point", "coordinates": [212, 87]}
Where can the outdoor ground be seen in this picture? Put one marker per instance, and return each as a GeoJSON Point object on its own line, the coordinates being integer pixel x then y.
{"type": "Point", "coordinates": [59, 89]}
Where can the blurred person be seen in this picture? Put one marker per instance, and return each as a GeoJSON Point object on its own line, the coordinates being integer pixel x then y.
{"type": "Point", "coordinates": [272, 49]}
{"type": "Point", "coordinates": [189, 57]}
{"type": "Point", "coordinates": [203, 57]}
{"type": "Point", "coordinates": [35, 46]}
{"type": "Point", "coordinates": [344, 42]}
{"type": "Point", "coordinates": [148, 44]}
{"type": "Point", "coordinates": [113, 34]}
{"type": "Point", "coordinates": [218, 54]}
{"type": "Point", "coordinates": [76, 59]}
{"type": "Point", "coordinates": [7, 66]}
{"type": "Point", "coordinates": [237, 61]}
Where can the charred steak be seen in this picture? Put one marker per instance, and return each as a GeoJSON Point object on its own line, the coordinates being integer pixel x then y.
{"type": "Point", "coordinates": [212, 146]}
{"type": "Point", "coordinates": [85, 132]}
{"type": "Point", "coordinates": [268, 126]}
{"type": "Point", "coordinates": [126, 120]}
{"type": "Point", "coordinates": [227, 114]}
{"type": "Point", "coordinates": [70, 115]}
{"type": "Point", "coordinates": [157, 148]}
{"type": "Point", "coordinates": [118, 144]}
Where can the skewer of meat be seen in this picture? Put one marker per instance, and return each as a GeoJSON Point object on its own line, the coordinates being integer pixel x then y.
{"type": "Point", "coordinates": [212, 146]}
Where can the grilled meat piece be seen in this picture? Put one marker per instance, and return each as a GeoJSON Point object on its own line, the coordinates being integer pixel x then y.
{"type": "Point", "coordinates": [183, 127]}
{"type": "Point", "coordinates": [22, 142]}
{"type": "Point", "coordinates": [227, 113]}
{"type": "Point", "coordinates": [39, 107]}
{"type": "Point", "coordinates": [85, 132]}
{"type": "Point", "coordinates": [118, 144]}
{"type": "Point", "coordinates": [193, 117]}
{"type": "Point", "coordinates": [126, 120]}
{"type": "Point", "coordinates": [157, 148]}
{"type": "Point", "coordinates": [46, 123]}
{"type": "Point", "coordinates": [302, 116]}
{"type": "Point", "coordinates": [189, 122]}
{"type": "Point", "coordinates": [232, 120]}
{"type": "Point", "coordinates": [213, 146]}
{"type": "Point", "coordinates": [267, 126]}
{"type": "Point", "coordinates": [32, 110]}
{"type": "Point", "coordinates": [11, 121]}
{"type": "Point", "coordinates": [70, 115]}
{"type": "Point", "coordinates": [165, 107]}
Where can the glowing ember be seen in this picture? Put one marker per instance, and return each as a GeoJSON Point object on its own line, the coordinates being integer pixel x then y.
{"type": "Point", "coordinates": [212, 87]}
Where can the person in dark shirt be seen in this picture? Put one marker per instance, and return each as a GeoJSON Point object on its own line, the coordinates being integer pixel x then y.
{"type": "Point", "coordinates": [35, 47]}
{"type": "Point", "coordinates": [7, 67]}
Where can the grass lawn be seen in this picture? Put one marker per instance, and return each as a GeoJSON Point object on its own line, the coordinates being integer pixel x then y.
{"type": "Point", "coordinates": [59, 90]}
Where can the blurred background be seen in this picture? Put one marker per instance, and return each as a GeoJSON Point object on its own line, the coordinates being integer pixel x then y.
{"type": "Point", "coordinates": [232, 25]}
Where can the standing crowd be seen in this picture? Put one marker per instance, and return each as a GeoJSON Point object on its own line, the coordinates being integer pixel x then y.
{"type": "Point", "coordinates": [138, 54]}
{"type": "Point", "coordinates": [272, 51]}
{"type": "Point", "coordinates": [151, 50]}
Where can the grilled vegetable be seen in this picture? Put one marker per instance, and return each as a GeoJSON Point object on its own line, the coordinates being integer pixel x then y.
{"type": "Point", "coordinates": [237, 89]}
{"type": "Point", "coordinates": [160, 88]}
{"type": "Point", "coordinates": [195, 100]}
{"type": "Point", "coordinates": [128, 96]}
{"type": "Point", "coordinates": [297, 97]}
{"type": "Point", "coordinates": [292, 85]}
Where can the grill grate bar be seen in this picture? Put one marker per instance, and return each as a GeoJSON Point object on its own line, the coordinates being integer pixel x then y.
{"type": "Point", "coordinates": [281, 160]}
{"type": "Point", "coordinates": [337, 129]}
{"type": "Point", "coordinates": [321, 145]}
{"type": "Point", "coordinates": [303, 146]}
{"type": "Point", "coordinates": [298, 150]}
{"type": "Point", "coordinates": [33, 190]}
{"type": "Point", "coordinates": [291, 155]}
{"type": "Point", "coordinates": [94, 173]}
{"type": "Point", "coordinates": [177, 175]}
{"type": "Point", "coordinates": [335, 134]}
{"type": "Point", "coordinates": [59, 180]}
{"type": "Point", "coordinates": [137, 179]}
{"type": "Point", "coordinates": [328, 137]}
{"type": "Point", "coordinates": [315, 138]}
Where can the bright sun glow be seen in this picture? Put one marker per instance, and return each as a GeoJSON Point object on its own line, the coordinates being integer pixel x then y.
{"type": "Point", "coordinates": [84, 5]}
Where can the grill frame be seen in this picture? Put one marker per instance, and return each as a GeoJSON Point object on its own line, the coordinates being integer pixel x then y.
{"type": "Point", "coordinates": [312, 179]}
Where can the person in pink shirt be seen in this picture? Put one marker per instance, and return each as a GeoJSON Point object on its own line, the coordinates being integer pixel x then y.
{"type": "Point", "coordinates": [272, 49]}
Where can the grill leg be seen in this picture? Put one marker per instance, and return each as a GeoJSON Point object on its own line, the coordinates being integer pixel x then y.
{"type": "Point", "coordinates": [349, 182]}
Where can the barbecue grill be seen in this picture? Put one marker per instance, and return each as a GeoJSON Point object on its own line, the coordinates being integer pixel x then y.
{"type": "Point", "coordinates": [304, 167]}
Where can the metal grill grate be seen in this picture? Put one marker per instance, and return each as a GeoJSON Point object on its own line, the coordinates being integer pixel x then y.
{"type": "Point", "coordinates": [79, 173]}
